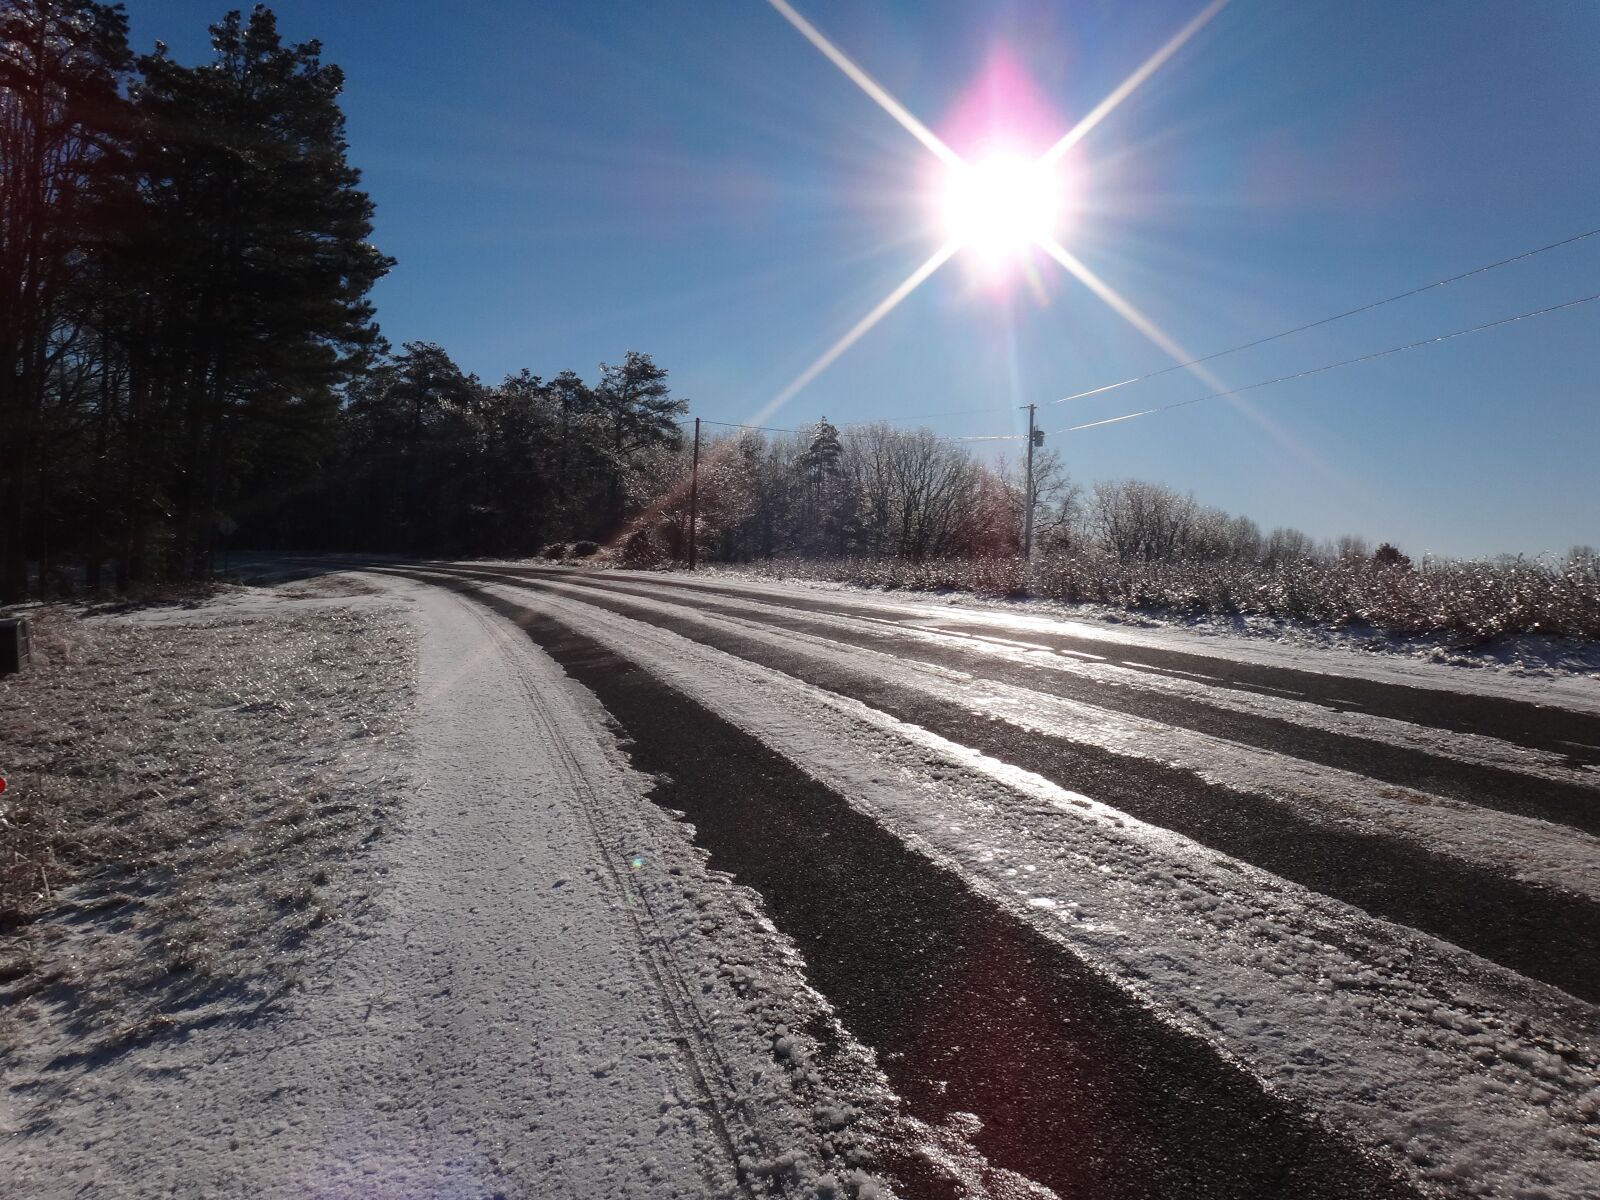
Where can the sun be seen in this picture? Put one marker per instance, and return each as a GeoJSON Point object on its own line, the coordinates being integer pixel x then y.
{"type": "Point", "coordinates": [1001, 205]}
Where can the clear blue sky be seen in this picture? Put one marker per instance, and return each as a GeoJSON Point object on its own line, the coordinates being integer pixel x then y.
{"type": "Point", "coordinates": [565, 180]}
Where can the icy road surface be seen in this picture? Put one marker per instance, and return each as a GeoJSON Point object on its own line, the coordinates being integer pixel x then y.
{"type": "Point", "coordinates": [715, 888]}
{"type": "Point", "coordinates": [1119, 915]}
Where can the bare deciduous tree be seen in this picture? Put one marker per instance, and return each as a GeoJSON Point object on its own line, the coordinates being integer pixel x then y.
{"type": "Point", "coordinates": [1138, 520]}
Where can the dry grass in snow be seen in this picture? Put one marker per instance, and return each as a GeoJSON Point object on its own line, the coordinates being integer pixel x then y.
{"type": "Point", "coordinates": [184, 797]}
{"type": "Point", "coordinates": [1472, 603]}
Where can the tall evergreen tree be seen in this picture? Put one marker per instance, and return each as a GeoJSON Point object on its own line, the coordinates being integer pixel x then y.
{"type": "Point", "coordinates": [413, 437]}
{"type": "Point", "coordinates": [820, 507]}
{"type": "Point", "coordinates": [517, 483]}
{"type": "Point", "coordinates": [637, 407]}
{"type": "Point", "coordinates": [257, 254]}
{"type": "Point", "coordinates": [576, 466]}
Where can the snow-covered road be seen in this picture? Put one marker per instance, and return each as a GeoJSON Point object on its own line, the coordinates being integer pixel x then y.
{"type": "Point", "coordinates": [714, 888]}
{"type": "Point", "coordinates": [1120, 915]}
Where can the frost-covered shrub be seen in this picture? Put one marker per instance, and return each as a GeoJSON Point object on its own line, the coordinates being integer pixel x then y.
{"type": "Point", "coordinates": [642, 550]}
{"type": "Point", "coordinates": [584, 549]}
{"type": "Point", "coordinates": [1475, 600]}
{"type": "Point", "coordinates": [555, 550]}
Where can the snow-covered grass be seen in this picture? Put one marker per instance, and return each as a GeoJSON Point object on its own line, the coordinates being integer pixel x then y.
{"type": "Point", "coordinates": [538, 985]}
{"type": "Point", "coordinates": [1550, 611]}
{"type": "Point", "coordinates": [184, 788]}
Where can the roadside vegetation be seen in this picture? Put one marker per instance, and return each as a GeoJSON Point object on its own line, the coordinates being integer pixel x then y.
{"type": "Point", "coordinates": [882, 507]}
{"type": "Point", "coordinates": [186, 791]}
{"type": "Point", "coordinates": [183, 369]}
{"type": "Point", "coordinates": [1472, 602]}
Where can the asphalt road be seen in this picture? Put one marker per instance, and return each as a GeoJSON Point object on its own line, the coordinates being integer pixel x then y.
{"type": "Point", "coordinates": [1077, 1083]}
{"type": "Point", "coordinates": [1546, 934]}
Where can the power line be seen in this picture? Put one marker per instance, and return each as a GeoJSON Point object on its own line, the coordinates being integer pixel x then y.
{"type": "Point", "coordinates": [1438, 283]}
{"type": "Point", "coordinates": [1443, 337]}
{"type": "Point", "coordinates": [736, 425]}
{"type": "Point", "coordinates": [1249, 387]}
{"type": "Point", "coordinates": [854, 424]}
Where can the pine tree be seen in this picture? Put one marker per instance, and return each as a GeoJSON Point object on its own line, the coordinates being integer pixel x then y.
{"type": "Point", "coordinates": [416, 436]}
{"type": "Point", "coordinates": [575, 465]}
{"type": "Point", "coordinates": [256, 248]}
{"type": "Point", "coordinates": [821, 514]}
{"type": "Point", "coordinates": [518, 476]}
{"type": "Point", "coordinates": [822, 454]}
{"type": "Point", "coordinates": [639, 412]}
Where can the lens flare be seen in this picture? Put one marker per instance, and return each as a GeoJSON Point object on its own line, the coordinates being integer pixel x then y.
{"type": "Point", "coordinates": [851, 336]}
{"type": "Point", "coordinates": [1000, 206]}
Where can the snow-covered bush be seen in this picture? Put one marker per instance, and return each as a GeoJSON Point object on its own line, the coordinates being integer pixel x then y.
{"type": "Point", "coordinates": [1477, 599]}
{"type": "Point", "coordinates": [641, 549]}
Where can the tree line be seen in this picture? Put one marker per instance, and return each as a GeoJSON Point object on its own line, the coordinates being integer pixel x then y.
{"type": "Point", "coordinates": [876, 491]}
{"type": "Point", "coordinates": [426, 459]}
{"type": "Point", "coordinates": [188, 348]}
{"type": "Point", "coordinates": [184, 273]}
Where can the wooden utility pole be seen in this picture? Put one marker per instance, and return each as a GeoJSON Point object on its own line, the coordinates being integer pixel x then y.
{"type": "Point", "coordinates": [1035, 438]}
{"type": "Point", "coordinates": [694, 497]}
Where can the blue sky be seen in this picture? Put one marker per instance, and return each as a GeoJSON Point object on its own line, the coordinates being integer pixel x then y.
{"type": "Point", "coordinates": [563, 181]}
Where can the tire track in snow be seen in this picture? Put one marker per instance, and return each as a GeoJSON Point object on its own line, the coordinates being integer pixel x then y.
{"type": "Point", "coordinates": [1457, 702]}
{"type": "Point", "coordinates": [795, 1102]}
{"type": "Point", "coordinates": [1466, 766]}
{"type": "Point", "coordinates": [989, 1031]}
{"type": "Point", "coordinates": [1549, 935]}
{"type": "Point", "coordinates": [1538, 852]}
{"type": "Point", "coordinates": [731, 1119]}
{"type": "Point", "coordinates": [1480, 1082]}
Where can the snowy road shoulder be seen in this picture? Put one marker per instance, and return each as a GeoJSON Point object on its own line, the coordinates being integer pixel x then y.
{"type": "Point", "coordinates": [546, 994]}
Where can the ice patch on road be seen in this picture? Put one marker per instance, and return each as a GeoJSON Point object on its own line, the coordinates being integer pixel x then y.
{"type": "Point", "coordinates": [1528, 668]}
{"type": "Point", "coordinates": [1190, 685]}
{"type": "Point", "coordinates": [1460, 1069]}
{"type": "Point", "coordinates": [1530, 849]}
{"type": "Point", "coordinates": [1513, 666]}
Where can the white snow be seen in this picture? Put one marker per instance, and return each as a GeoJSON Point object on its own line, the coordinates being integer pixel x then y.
{"type": "Point", "coordinates": [1465, 1072]}
{"type": "Point", "coordinates": [540, 1001]}
{"type": "Point", "coordinates": [552, 994]}
{"type": "Point", "coordinates": [1474, 748]}
{"type": "Point", "coordinates": [1268, 643]}
{"type": "Point", "coordinates": [1525, 847]}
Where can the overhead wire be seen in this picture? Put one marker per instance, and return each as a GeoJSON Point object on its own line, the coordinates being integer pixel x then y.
{"type": "Point", "coordinates": [1347, 362]}
{"type": "Point", "coordinates": [736, 425]}
{"type": "Point", "coordinates": [848, 424]}
{"type": "Point", "coordinates": [1262, 341]}
{"type": "Point", "coordinates": [1376, 354]}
